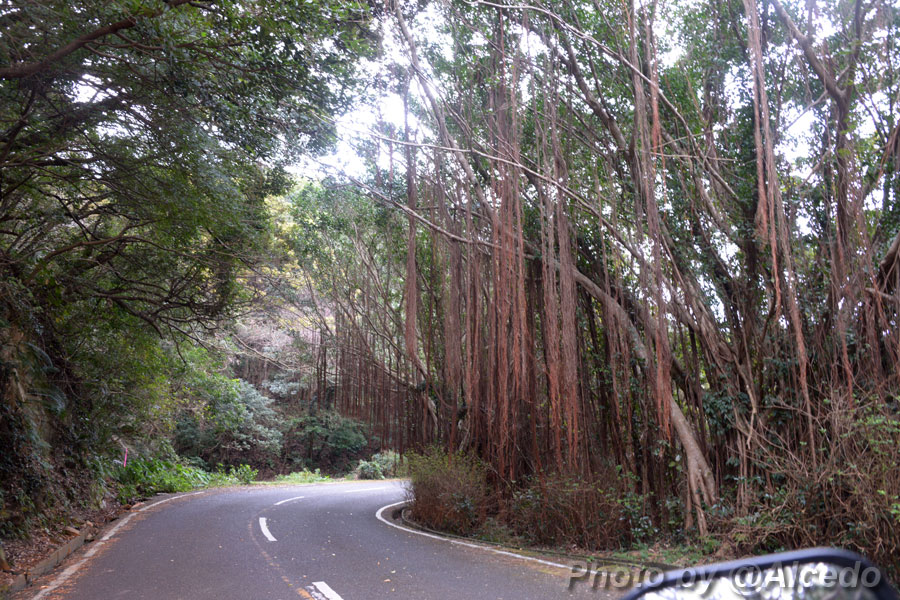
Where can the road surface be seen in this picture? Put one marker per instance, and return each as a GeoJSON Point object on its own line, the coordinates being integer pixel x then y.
{"type": "Point", "coordinates": [320, 541]}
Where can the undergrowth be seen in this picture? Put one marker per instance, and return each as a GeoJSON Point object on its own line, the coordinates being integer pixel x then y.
{"type": "Point", "coordinates": [143, 477]}
{"type": "Point", "coordinates": [304, 476]}
{"type": "Point", "coordinates": [448, 492]}
{"type": "Point", "coordinates": [571, 511]}
{"type": "Point", "coordinates": [380, 465]}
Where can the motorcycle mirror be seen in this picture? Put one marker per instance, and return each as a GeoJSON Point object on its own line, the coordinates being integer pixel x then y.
{"type": "Point", "coordinates": [815, 574]}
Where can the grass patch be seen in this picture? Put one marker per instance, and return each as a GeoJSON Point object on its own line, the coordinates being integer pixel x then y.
{"type": "Point", "coordinates": [677, 555]}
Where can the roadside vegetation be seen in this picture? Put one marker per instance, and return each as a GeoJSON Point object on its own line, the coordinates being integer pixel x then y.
{"type": "Point", "coordinates": [613, 276]}
{"type": "Point", "coordinates": [142, 478]}
{"type": "Point", "coordinates": [382, 465]}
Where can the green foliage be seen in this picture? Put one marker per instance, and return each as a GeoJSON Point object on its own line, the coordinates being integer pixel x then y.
{"type": "Point", "coordinates": [235, 424]}
{"type": "Point", "coordinates": [243, 473]}
{"type": "Point", "coordinates": [324, 439]}
{"type": "Point", "coordinates": [143, 477]}
{"type": "Point", "coordinates": [381, 465]}
{"type": "Point", "coordinates": [135, 172]}
{"type": "Point", "coordinates": [852, 498]}
{"type": "Point", "coordinates": [303, 476]}
{"type": "Point", "coordinates": [634, 513]}
{"type": "Point", "coordinates": [326, 225]}
{"type": "Point", "coordinates": [496, 531]}
{"type": "Point", "coordinates": [448, 492]}
{"type": "Point", "coordinates": [369, 469]}
{"type": "Point", "coordinates": [27, 491]}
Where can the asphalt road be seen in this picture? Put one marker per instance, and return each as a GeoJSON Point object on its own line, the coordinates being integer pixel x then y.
{"type": "Point", "coordinates": [313, 541]}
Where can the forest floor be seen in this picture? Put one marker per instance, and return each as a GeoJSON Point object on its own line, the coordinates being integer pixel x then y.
{"type": "Point", "coordinates": [678, 555]}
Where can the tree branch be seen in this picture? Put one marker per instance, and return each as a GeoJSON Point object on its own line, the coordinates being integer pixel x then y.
{"type": "Point", "coordinates": [27, 69]}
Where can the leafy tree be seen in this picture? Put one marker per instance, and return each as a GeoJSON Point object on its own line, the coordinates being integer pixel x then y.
{"type": "Point", "coordinates": [138, 142]}
{"type": "Point", "coordinates": [133, 135]}
{"type": "Point", "coordinates": [229, 422]}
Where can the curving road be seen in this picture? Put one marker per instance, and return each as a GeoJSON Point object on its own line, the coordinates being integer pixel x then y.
{"type": "Point", "coordinates": [321, 541]}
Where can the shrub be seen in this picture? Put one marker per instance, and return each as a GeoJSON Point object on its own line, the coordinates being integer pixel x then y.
{"type": "Point", "coordinates": [144, 477]}
{"type": "Point", "coordinates": [495, 531]}
{"type": "Point", "coordinates": [244, 473]}
{"type": "Point", "coordinates": [381, 465]}
{"type": "Point", "coordinates": [448, 492]}
{"type": "Point", "coordinates": [236, 426]}
{"type": "Point", "coordinates": [303, 477]}
{"type": "Point", "coordinates": [389, 462]}
{"type": "Point", "coordinates": [369, 469]}
{"type": "Point", "coordinates": [852, 499]}
{"type": "Point", "coordinates": [554, 510]}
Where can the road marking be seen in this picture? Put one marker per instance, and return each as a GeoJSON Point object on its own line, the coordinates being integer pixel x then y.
{"type": "Point", "coordinates": [143, 508]}
{"type": "Point", "coordinates": [60, 580]}
{"type": "Point", "coordinates": [94, 548]}
{"type": "Point", "coordinates": [288, 500]}
{"type": "Point", "coordinates": [112, 531]}
{"type": "Point", "coordinates": [380, 516]}
{"type": "Point", "coordinates": [371, 489]}
{"type": "Point", "coordinates": [324, 589]}
{"type": "Point", "coordinates": [72, 569]}
{"type": "Point", "coordinates": [265, 530]}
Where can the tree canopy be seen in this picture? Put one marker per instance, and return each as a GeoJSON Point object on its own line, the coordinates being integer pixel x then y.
{"type": "Point", "coordinates": [139, 140]}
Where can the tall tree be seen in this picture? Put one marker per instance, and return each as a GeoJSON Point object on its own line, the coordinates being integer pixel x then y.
{"type": "Point", "coordinates": [701, 286]}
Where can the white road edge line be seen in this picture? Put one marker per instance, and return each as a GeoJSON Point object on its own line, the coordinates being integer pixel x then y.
{"type": "Point", "coordinates": [72, 569]}
{"type": "Point", "coordinates": [326, 590]}
{"type": "Point", "coordinates": [95, 547]}
{"type": "Point", "coordinates": [288, 500]}
{"type": "Point", "coordinates": [143, 508]}
{"type": "Point", "coordinates": [265, 530]}
{"type": "Point", "coordinates": [380, 516]}
{"type": "Point", "coordinates": [113, 531]}
{"type": "Point", "coordinates": [370, 489]}
{"type": "Point", "coordinates": [61, 579]}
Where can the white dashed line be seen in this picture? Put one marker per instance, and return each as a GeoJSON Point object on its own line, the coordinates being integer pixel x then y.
{"type": "Point", "coordinates": [324, 589]}
{"type": "Point", "coordinates": [288, 500]}
{"type": "Point", "coordinates": [265, 530]}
